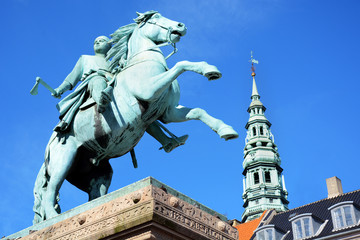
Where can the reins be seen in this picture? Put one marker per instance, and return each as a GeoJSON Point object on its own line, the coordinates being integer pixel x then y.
{"type": "Point", "coordinates": [153, 48]}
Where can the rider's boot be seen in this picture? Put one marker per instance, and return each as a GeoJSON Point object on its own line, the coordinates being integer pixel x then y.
{"type": "Point", "coordinates": [104, 101]}
{"type": "Point", "coordinates": [174, 143]}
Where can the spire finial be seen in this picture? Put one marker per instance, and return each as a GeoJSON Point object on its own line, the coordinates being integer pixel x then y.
{"type": "Point", "coordinates": [254, 90]}
{"type": "Point", "coordinates": [252, 60]}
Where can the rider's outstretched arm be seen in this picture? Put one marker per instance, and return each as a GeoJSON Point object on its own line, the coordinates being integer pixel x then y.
{"type": "Point", "coordinates": [72, 79]}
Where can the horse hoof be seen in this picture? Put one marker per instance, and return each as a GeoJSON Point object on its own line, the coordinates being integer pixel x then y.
{"type": "Point", "coordinates": [227, 133]}
{"type": "Point", "coordinates": [212, 73]}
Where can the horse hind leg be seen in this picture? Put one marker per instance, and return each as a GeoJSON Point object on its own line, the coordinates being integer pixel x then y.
{"type": "Point", "coordinates": [181, 114]}
{"type": "Point", "coordinates": [94, 180]}
{"type": "Point", "coordinates": [39, 191]}
{"type": "Point", "coordinates": [61, 159]}
{"type": "Point", "coordinates": [100, 180]}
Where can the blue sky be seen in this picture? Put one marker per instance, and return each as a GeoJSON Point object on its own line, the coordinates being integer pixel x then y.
{"type": "Point", "coordinates": [307, 78]}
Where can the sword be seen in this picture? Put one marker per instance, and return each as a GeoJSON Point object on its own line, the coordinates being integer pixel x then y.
{"type": "Point", "coordinates": [34, 90]}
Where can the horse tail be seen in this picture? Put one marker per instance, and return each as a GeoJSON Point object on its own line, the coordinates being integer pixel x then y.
{"type": "Point", "coordinates": [39, 191]}
{"type": "Point", "coordinates": [40, 187]}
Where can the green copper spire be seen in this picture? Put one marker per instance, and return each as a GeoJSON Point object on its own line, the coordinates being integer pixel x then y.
{"type": "Point", "coordinates": [264, 186]}
{"type": "Point", "coordinates": [254, 89]}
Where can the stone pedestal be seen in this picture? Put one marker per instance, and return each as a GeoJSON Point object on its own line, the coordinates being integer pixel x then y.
{"type": "Point", "coordinates": [147, 209]}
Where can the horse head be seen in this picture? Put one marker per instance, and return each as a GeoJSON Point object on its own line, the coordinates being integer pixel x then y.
{"type": "Point", "coordinates": [158, 28]}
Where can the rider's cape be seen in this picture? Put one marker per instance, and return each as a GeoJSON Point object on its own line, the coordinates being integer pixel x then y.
{"type": "Point", "coordinates": [84, 70]}
{"type": "Point", "coordinates": [71, 103]}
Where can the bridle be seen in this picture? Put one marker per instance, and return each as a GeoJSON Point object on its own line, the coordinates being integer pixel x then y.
{"type": "Point", "coordinates": [168, 38]}
{"type": "Point", "coordinates": [154, 48]}
{"type": "Point", "coordinates": [169, 30]}
{"type": "Point", "coordinates": [167, 43]}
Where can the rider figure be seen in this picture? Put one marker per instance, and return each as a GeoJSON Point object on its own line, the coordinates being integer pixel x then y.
{"type": "Point", "coordinates": [94, 75]}
{"type": "Point", "coordinates": [87, 70]}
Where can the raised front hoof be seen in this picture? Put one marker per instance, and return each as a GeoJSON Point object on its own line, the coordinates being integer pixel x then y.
{"type": "Point", "coordinates": [228, 133]}
{"type": "Point", "coordinates": [212, 73]}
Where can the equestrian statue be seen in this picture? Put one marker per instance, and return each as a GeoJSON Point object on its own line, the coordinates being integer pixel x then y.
{"type": "Point", "coordinates": [123, 91]}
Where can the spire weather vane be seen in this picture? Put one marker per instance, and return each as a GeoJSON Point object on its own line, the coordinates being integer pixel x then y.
{"type": "Point", "coordinates": [252, 60]}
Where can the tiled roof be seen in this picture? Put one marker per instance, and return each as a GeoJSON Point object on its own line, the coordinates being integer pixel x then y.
{"type": "Point", "coordinates": [246, 230]}
{"type": "Point", "coordinates": [319, 210]}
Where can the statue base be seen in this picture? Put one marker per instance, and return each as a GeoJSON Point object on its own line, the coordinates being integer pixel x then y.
{"type": "Point", "coordinates": [147, 209]}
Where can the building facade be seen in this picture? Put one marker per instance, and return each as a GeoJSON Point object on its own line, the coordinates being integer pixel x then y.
{"type": "Point", "coordinates": [335, 217]}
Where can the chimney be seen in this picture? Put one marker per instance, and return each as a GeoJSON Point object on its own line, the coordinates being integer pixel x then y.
{"type": "Point", "coordinates": [334, 187]}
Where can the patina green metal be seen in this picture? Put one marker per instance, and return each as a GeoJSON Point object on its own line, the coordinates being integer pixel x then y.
{"type": "Point", "coordinates": [264, 186]}
{"type": "Point", "coordinates": [123, 91]}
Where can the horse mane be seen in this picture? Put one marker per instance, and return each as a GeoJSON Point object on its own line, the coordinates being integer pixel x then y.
{"type": "Point", "coordinates": [120, 38]}
{"type": "Point", "coordinates": [118, 52]}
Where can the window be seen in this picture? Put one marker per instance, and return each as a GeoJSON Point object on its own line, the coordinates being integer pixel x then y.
{"type": "Point", "coordinates": [267, 177]}
{"type": "Point", "coordinates": [254, 131]}
{"type": "Point", "coordinates": [344, 214]}
{"type": "Point", "coordinates": [302, 228]}
{"type": "Point", "coordinates": [265, 234]}
{"type": "Point", "coordinates": [256, 178]}
{"type": "Point", "coordinates": [261, 131]}
{"type": "Point", "coordinates": [305, 225]}
{"type": "Point", "coordinates": [268, 232]}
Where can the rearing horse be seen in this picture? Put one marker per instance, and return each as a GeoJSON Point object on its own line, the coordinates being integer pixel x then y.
{"type": "Point", "coordinates": [144, 90]}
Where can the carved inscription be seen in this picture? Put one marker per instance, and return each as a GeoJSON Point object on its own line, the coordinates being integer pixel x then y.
{"type": "Point", "coordinates": [189, 222]}
{"type": "Point", "coordinates": [191, 216]}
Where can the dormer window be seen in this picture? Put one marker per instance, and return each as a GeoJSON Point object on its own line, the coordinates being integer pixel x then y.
{"type": "Point", "coordinates": [302, 228]}
{"type": "Point", "coordinates": [344, 214]}
{"type": "Point", "coordinates": [268, 232]}
{"type": "Point", "coordinates": [305, 225]}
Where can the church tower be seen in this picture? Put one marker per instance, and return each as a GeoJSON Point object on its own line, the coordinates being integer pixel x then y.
{"type": "Point", "coordinates": [264, 185]}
